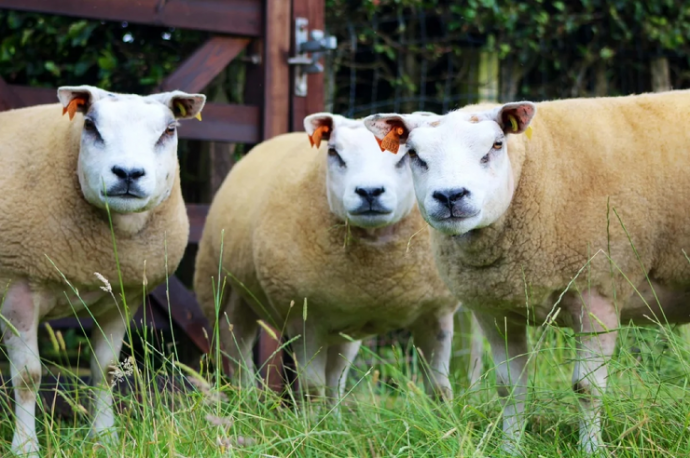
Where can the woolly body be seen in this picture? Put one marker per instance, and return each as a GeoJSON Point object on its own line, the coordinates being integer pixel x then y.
{"type": "Point", "coordinates": [282, 243]}
{"type": "Point", "coordinates": [51, 222]}
{"type": "Point", "coordinates": [587, 158]}
{"type": "Point", "coordinates": [594, 233]}
{"type": "Point", "coordinates": [55, 234]}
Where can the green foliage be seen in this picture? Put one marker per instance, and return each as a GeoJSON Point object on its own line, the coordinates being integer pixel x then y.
{"type": "Point", "coordinates": [545, 49]}
{"type": "Point", "coordinates": [46, 50]}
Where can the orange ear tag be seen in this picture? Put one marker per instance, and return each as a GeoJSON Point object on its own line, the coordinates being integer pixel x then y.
{"type": "Point", "coordinates": [315, 138]}
{"type": "Point", "coordinates": [72, 106]}
{"type": "Point", "coordinates": [391, 141]}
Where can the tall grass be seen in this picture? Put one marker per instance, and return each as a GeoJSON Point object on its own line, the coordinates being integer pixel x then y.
{"type": "Point", "coordinates": [385, 412]}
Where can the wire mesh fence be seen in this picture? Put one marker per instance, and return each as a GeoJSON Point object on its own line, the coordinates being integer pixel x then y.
{"type": "Point", "coordinates": [420, 59]}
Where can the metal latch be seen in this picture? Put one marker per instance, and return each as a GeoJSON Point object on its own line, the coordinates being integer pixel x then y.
{"type": "Point", "coordinates": [319, 44]}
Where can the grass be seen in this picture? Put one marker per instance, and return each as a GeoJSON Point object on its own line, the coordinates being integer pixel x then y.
{"type": "Point", "coordinates": [386, 413]}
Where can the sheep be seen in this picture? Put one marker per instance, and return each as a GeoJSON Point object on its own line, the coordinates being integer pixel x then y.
{"type": "Point", "coordinates": [335, 230]}
{"type": "Point", "coordinates": [546, 217]}
{"type": "Point", "coordinates": [62, 174]}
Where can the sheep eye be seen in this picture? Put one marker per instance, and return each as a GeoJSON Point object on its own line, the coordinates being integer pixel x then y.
{"type": "Point", "coordinates": [498, 145]}
{"type": "Point", "coordinates": [485, 159]}
{"type": "Point", "coordinates": [401, 162]}
{"type": "Point", "coordinates": [170, 130]}
{"type": "Point", "coordinates": [89, 125]}
{"type": "Point", "coordinates": [416, 159]}
{"type": "Point", "coordinates": [334, 154]}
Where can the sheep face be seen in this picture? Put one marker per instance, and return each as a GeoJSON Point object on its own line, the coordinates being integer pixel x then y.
{"type": "Point", "coordinates": [364, 187]}
{"type": "Point", "coordinates": [462, 174]}
{"type": "Point", "coordinates": [128, 147]}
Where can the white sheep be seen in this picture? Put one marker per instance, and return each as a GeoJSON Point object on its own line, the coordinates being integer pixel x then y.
{"type": "Point", "coordinates": [59, 174]}
{"type": "Point", "coordinates": [538, 228]}
{"type": "Point", "coordinates": [334, 228]}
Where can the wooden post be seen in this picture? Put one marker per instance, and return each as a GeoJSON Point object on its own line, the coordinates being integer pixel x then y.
{"type": "Point", "coordinates": [661, 78]}
{"type": "Point", "coordinates": [275, 121]}
{"type": "Point", "coordinates": [488, 78]}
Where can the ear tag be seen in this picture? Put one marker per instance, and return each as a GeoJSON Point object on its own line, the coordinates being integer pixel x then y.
{"type": "Point", "coordinates": [315, 138]}
{"type": "Point", "coordinates": [73, 106]}
{"type": "Point", "coordinates": [528, 132]}
{"type": "Point", "coordinates": [198, 116]}
{"type": "Point", "coordinates": [181, 108]}
{"type": "Point", "coordinates": [391, 141]}
{"type": "Point", "coordinates": [513, 122]}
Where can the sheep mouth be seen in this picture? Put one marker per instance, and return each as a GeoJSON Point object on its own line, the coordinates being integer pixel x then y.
{"type": "Point", "coordinates": [371, 212]}
{"type": "Point", "coordinates": [448, 217]}
{"type": "Point", "coordinates": [124, 192]}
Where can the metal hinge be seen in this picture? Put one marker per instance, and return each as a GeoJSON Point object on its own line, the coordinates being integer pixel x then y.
{"type": "Point", "coordinates": [319, 44]}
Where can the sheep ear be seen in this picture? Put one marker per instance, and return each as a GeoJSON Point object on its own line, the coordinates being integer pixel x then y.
{"type": "Point", "coordinates": [79, 98]}
{"type": "Point", "coordinates": [183, 105]}
{"type": "Point", "coordinates": [391, 130]}
{"type": "Point", "coordinates": [319, 126]}
{"type": "Point", "coordinates": [515, 117]}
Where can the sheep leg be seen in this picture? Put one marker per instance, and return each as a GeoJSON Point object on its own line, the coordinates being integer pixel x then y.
{"type": "Point", "coordinates": [237, 328]}
{"type": "Point", "coordinates": [509, 349]}
{"type": "Point", "coordinates": [476, 352]}
{"type": "Point", "coordinates": [106, 342]}
{"type": "Point", "coordinates": [434, 337]}
{"type": "Point", "coordinates": [21, 310]}
{"type": "Point", "coordinates": [340, 359]}
{"type": "Point", "coordinates": [311, 356]}
{"type": "Point", "coordinates": [595, 321]}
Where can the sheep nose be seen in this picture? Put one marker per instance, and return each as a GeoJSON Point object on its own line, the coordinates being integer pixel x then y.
{"type": "Point", "coordinates": [369, 194]}
{"type": "Point", "coordinates": [128, 174]}
{"type": "Point", "coordinates": [449, 197]}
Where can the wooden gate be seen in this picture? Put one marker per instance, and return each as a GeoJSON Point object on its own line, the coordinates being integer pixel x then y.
{"type": "Point", "coordinates": [268, 29]}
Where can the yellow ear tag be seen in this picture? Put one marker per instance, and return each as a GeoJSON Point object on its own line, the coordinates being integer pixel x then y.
{"type": "Point", "coordinates": [528, 132]}
{"type": "Point", "coordinates": [73, 106]}
{"type": "Point", "coordinates": [513, 123]}
{"type": "Point", "coordinates": [391, 141]}
{"type": "Point", "coordinates": [315, 138]}
{"type": "Point", "coordinates": [198, 116]}
{"type": "Point", "coordinates": [180, 106]}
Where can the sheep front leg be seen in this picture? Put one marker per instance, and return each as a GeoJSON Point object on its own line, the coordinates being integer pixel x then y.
{"type": "Point", "coordinates": [237, 327]}
{"type": "Point", "coordinates": [21, 310]}
{"type": "Point", "coordinates": [340, 359]}
{"type": "Point", "coordinates": [476, 353]}
{"type": "Point", "coordinates": [509, 349]}
{"type": "Point", "coordinates": [595, 322]}
{"type": "Point", "coordinates": [106, 342]}
{"type": "Point", "coordinates": [434, 337]}
{"type": "Point", "coordinates": [311, 357]}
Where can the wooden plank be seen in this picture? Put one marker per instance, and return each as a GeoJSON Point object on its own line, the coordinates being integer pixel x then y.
{"type": "Point", "coordinates": [155, 319]}
{"type": "Point", "coordinates": [314, 11]}
{"type": "Point", "coordinates": [224, 123]}
{"type": "Point", "coordinates": [234, 17]}
{"type": "Point", "coordinates": [277, 87]}
{"type": "Point", "coordinates": [126, 390]}
{"type": "Point", "coordinates": [184, 310]}
{"type": "Point", "coordinates": [30, 96]}
{"type": "Point", "coordinates": [197, 217]}
{"type": "Point", "coordinates": [8, 99]}
{"type": "Point", "coordinates": [199, 69]}
{"type": "Point", "coordinates": [221, 122]}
